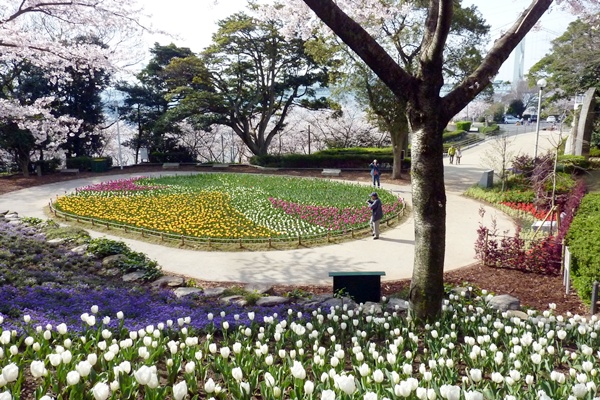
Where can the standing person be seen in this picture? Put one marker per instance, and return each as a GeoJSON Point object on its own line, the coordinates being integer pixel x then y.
{"type": "Point", "coordinates": [451, 153]}
{"type": "Point", "coordinates": [458, 154]}
{"type": "Point", "coordinates": [375, 173]}
{"type": "Point", "coordinates": [377, 214]}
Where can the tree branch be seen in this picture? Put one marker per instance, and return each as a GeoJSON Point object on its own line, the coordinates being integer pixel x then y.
{"type": "Point", "coordinates": [437, 27]}
{"type": "Point", "coordinates": [364, 45]}
{"type": "Point", "coordinates": [482, 76]}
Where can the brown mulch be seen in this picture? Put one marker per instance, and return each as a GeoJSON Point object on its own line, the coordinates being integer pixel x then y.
{"type": "Point", "coordinates": [533, 290]}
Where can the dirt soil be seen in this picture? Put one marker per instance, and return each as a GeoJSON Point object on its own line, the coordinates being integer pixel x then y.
{"type": "Point", "coordinates": [533, 290]}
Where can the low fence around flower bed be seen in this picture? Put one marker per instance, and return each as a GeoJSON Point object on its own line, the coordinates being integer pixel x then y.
{"type": "Point", "coordinates": [183, 239]}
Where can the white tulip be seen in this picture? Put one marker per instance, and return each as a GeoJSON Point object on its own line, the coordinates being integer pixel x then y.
{"type": "Point", "coordinates": [73, 378]}
{"type": "Point", "coordinates": [209, 386]}
{"type": "Point", "coordinates": [346, 384]}
{"type": "Point", "coordinates": [237, 374]}
{"type": "Point", "coordinates": [298, 370]}
{"type": "Point", "coordinates": [100, 391]}
{"type": "Point", "coordinates": [473, 395]}
{"type": "Point", "coordinates": [38, 369]}
{"type": "Point", "coordinates": [309, 387]}
{"type": "Point", "coordinates": [143, 375]}
{"type": "Point", "coordinates": [180, 390]}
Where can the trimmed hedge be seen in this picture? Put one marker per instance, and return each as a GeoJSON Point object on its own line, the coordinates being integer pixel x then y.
{"type": "Point", "coordinates": [572, 164]}
{"type": "Point", "coordinates": [84, 163]}
{"type": "Point", "coordinates": [454, 136]}
{"type": "Point", "coordinates": [330, 158]}
{"type": "Point", "coordinates": [584, 246]}
{"type": "Point", "coordinates": [47, 166]}
{"type": "Point", "coordinates": [81, 163]}
{"type": "Point", "coordinates": [174, 156]}
{"type": "Point", "coordinates": [490, 130]}
{"type": "Point", "coordinates": [463, 126]}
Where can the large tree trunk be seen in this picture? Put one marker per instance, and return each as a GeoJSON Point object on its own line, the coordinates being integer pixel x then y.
{"type": "Point", "coordinates": [429, 210]}
{"type": "Point", "coordinates": [399, 138]}
{"type": "Point", "coordinates": [24, 165]}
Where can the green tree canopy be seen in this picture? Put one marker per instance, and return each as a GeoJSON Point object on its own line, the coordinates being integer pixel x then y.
{"type": "Point", "coordinates": [573, 64]}
{"type": "Point", "coordinates": [516, 108]}
{"type": "Point", "coordinates": [248, 79]}
{"type": "Point", "coordinates": [145, 104]}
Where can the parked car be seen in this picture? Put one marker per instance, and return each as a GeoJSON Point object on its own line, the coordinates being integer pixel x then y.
{"type": "Point", "coordinates": [510, 119]}
{"type": "Point", "coordinates": [551, 119]}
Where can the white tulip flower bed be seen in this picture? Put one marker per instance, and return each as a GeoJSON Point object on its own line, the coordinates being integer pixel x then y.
{"type": "Point", "coordinates": [472, 352]}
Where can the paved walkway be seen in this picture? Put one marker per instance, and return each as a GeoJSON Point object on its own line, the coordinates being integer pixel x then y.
{"type": "Point", "coordinates": [393, 253]}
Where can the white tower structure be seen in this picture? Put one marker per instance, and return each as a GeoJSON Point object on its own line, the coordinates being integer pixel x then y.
{"type": "Point", "coordinates": [518, 71]}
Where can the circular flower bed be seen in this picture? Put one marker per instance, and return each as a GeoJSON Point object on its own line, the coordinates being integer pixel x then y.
{"type": "Point", "coordinates": [229, 206]}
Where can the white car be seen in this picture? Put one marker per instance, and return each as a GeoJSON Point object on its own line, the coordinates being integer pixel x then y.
{"type": "Point", "coordinates": [551, 119]}
{"type": "Point", "coordinates": [509, 119]}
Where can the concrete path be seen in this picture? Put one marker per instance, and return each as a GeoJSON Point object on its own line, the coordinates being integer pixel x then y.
{"type": "Point", "coordinates": [393, 253]}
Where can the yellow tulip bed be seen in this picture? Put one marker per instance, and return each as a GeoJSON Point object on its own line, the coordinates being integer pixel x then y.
{"type": "Point", "coordinates": [227, 206]}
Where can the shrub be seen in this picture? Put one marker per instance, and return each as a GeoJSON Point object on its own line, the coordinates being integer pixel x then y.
{"type": "Point", "coordinates": [496, 195]}
{"type": "Point", "coordinates": [102, 247]}
{"type": "Point", "coordinates": [47, 166]}
{"type": "Point", "coordinates": [582, 239]}
{"type": "Point", "coordinates": [134, 261]}
{"type": "Point", "coordinates": [454, 136]}
{"type": "Point", "coordinates": [174, 156]}
{"type": "Point", "coordinates": [572, 164]}
{"type": "Point", "coordinates": [463, 126]}
{"type": "Point", "coordinates": [490, 130]}
{"type": "Point", "coordinates": [594, 151]}
{"type": "Point", "coordinates": [523, 164]}
{"type": "Point", "coordinates": [330, 158]}
{"type": "Point", "coordinates": [80, 163]}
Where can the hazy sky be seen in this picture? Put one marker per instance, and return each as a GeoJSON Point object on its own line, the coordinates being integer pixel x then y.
{"type": "Point", "coordinates": [194, 22]}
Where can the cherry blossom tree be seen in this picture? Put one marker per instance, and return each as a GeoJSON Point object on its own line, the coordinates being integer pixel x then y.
{"type": "Point", "coordinates": [428, 111]}
{"type": "Point", "coordinates": [44, 32]}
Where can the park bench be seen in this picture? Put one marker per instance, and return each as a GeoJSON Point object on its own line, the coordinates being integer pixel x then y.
{"type": "Point", "coordinates": [170, 165]}
{"type": "Point", "coordinates": [70, 171]}
{"type": "Point", "coordinates": [331, 172]}
{"type": "Point", "coordinates": [362, 286]}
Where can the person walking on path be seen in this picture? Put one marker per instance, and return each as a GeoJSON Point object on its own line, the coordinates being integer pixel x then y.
{"type": "Point", "coordinates": [451, 153]}
{"type": "Point", "coordinates": [376, 214]}
{"type": "Point", "coordinates": [375, 173]}
{"type": "Point", "coordinates": [458, 154]}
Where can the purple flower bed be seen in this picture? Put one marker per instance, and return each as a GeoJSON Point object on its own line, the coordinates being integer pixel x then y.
{"type": "Point", "coordinates": [332, 218]}
{"type": "Point", "coordinates": [118, 185]}
{"type": "Point", "coordinates": [140, 307]}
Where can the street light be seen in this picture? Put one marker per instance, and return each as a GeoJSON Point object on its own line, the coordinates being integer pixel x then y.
{"type": "Point", "coordinates": [541, 84]}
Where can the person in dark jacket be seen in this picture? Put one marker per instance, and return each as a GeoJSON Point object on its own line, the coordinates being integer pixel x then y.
{"type": "Point", "coordinates": [377, 213]}
{"type": "Point", "coordinates": [375, 173]}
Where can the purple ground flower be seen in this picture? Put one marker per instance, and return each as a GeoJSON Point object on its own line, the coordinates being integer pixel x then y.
{"type": "Point", "coordinates": [140, 307]}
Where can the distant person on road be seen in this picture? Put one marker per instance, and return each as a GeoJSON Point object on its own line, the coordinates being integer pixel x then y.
{"type": "Point", "coordinates": [375, 173]}
{"type": "Point", "coordinates": [451, 153]}
{"type": "Point", "coordinates": [377, 214]}
{"type": "Point", "coordinates": [458, 154]}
